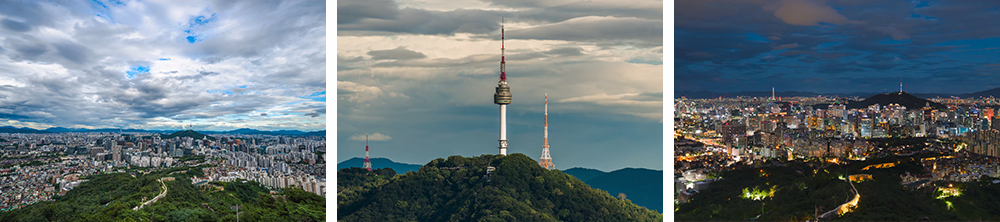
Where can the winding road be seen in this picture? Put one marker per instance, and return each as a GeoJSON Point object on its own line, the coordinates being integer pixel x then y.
{"type": "Point", "coordinates": [154, 198]}
{"type": "Point", "coordinates": [844, 208]}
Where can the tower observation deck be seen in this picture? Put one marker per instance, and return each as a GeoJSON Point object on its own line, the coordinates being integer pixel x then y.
{"type": "Point", "coordinates": [502, 96]}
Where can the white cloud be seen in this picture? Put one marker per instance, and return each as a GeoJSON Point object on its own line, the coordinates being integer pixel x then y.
{"type": "Point", "coordinates": [249, 57]}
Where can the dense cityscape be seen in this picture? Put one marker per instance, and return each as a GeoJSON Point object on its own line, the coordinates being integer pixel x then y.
{"type": "Point", "coordinates": [37, 167]}
{"type": "Point", "coordinates": [953, 140]}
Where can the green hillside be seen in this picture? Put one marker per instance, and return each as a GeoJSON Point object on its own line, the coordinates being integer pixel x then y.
{"type": "Point", "coordinates": [187, 133]}
{"type": "Point", "coordinates": [111, 197]}
{"type": "Point", "coordinates": [459, 189]}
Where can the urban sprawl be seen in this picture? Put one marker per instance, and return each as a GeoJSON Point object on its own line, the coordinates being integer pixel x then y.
{"type": "Point", "coordinates": [35, 167]}
{"type": "Point", "coordinates": [721, 134]}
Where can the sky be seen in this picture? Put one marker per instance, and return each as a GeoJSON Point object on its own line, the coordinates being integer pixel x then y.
{"type": "Point", "coordinates": [836, 46]}
{"type": "Point", "coordinates": [418, 77]}
{"type": "Point", "coordinates": [163, 65]}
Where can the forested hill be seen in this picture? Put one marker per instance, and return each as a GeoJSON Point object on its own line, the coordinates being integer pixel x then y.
{"type": "Point", "coordinates": [112, 197]}
{"type": "Point", "coordinates": [187, 133]}
{"type": "Point", "coordinates": [460, 189]}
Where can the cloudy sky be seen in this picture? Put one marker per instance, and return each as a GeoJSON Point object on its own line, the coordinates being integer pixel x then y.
{"type": "Point", "coordinates": [420, 77]}
{"type": "Point", "coordinates": [163, 64]}
{"type": "Point", "coordinates": [836, 46]}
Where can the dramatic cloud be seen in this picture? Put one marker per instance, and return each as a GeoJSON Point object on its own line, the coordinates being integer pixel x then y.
{"type": "Point", "coordinates": [836, 46]}
{"type": "Point", "coordinates": [425, 72]}
{"type": "Point", "coordinates": [806, 12]}
{"type": "Point", "coordinates": [159, 65]}
{"type": "Point", "coordinates": [398, 53]}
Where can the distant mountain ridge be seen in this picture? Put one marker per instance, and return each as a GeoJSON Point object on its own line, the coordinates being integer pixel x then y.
{"type": "Point", "coordinates": [707, 95]}
{"type": "Point", "coordinates": [583, 174]}
{"type": "Point", "coordinates": [643, 186]}
{"type": "Point", "coordinates": [400, 168]}
{"type": "Point", "coordinates": [11, 129]}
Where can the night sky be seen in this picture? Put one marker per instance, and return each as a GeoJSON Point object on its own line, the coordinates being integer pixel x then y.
{"type": "Point", "coordinates": [419, 76]}
{"type": "Point", "coordinates": [836, 46]}
{"type": "Point", "coordinates": [213, 65]}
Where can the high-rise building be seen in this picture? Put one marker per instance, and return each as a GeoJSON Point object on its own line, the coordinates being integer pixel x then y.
{"type": "Point", "coordinates": [733, 134]}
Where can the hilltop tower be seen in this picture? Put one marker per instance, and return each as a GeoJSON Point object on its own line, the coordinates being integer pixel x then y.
{"type": "Point", "coordinates": [502, 96]}
{"type": "Point", "coordinates": [368, 163]}
{"type": "Point", "coordinates": [546, 160]}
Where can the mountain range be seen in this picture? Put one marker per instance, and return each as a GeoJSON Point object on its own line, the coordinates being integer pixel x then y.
{"type": "Point", "coordinates": [11, 129]}
{"type": "Point", "coordinates": [643, 186]}
{"type": "Point", "coordinates": [400, 168]}
{"type": "Point", "coordinates": [706, 94]}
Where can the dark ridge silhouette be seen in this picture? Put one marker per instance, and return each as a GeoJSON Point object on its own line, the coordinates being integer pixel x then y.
{"type": "Point", "coordinates": [901, 98]}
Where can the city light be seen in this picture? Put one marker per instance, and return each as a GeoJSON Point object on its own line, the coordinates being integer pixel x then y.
{"type": "Point", "coordinates": [756, 194]}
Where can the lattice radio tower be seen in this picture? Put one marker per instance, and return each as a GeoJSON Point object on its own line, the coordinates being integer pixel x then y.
{"type": "Point", "coordinates": [368, 163]}
{"type": "Point", "coordinates": [546, 160]}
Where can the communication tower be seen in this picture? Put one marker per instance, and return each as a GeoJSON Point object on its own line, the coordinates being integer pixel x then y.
{"type": "Point", "coordinates": [546, 160]}
{"type": "Point", "coordinates": [368, 163]}
{"type": "Point", "coordinates": [502, 96]}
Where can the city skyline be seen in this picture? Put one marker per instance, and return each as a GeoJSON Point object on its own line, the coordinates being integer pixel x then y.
{"type": "Point", "coordinates": [419, 77]}
{"type": "Point", "coordinates": [835, 46]}
{"type": "Point", "coordinates": [210, 65]}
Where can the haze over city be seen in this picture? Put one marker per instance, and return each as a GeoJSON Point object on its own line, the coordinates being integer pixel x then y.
{"type": "Point", "coordinates": [419, 78]}
{"type": "Point", "coordinates": [213, 66]}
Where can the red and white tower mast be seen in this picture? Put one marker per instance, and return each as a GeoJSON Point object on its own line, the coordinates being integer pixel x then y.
{"type": "Point", "coordinates": [502, 96]}
{"type": "Point", "coordinates": [368, 163]}
{"type": "Point", "coordinates": [546, 160]}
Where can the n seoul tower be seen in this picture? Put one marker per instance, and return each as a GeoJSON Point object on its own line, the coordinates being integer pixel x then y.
{"type": "Point", "coordinates": [546, 160]}
{"type": "Point", "coordinates": [502, 96]}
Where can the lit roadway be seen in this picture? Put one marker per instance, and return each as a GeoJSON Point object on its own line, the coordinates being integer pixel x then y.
{"type": "Point", "coordinates": [846, 207]}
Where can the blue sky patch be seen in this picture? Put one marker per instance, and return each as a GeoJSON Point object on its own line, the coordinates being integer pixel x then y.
{"type": "Point", "coordinates": [136, 70]}
{"type": "Point", "coordinates": [195, 23]}
{"type": "Point", "coordinates": [164, 59]}
{"type": "Point", "coordinates": [316, 96]}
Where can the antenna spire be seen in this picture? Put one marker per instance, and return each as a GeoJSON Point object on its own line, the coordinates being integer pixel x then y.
{"type": "Point", "coordinates": [503, 63]}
